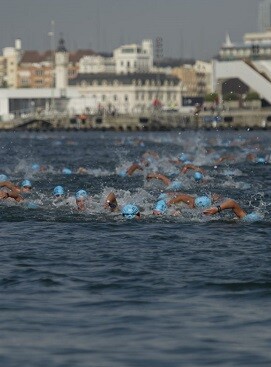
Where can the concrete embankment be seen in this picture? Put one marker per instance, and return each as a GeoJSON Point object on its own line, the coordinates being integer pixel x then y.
{"type": "Point", "coordinates": [235, 119]}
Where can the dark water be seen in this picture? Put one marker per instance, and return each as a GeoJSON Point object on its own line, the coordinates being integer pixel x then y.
{"type": "Point", "coordinates": [93, 289]}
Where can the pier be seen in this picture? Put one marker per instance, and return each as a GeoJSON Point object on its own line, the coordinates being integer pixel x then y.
{"type": "Point", "coordinates": [156, 121]}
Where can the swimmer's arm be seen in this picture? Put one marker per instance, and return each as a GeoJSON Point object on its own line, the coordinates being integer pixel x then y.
{"type": "Point", "coordinates": [159, 176]}
{"type": "Point", "coordinates": [188, 166]}
{"type": "Point", "coordinates": [133, 168]}
{"type": "Point", "coordinates": [228, 204]}
{"type": "Point", "coordinates": [9, 185]}
{"type": "Point", "coordinates": [183, 198]}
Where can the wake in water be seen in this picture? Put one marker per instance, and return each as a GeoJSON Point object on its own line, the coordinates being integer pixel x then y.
{"type": "Point", "coordinates": [169, 175]}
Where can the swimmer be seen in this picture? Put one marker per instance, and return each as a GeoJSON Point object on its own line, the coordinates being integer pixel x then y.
{"type": "Point", "coordinates": [111, 202]}
{"type": "Point", "coordinates": [191, 166]}
{"type": "Point", "coordinates": [193, 201]}
{"type": "Point", "coordinates": [12, 193]}
{"type": "Point", "coordinates": [131, 211]}
{"type": "Point", "coordinates": [59, 196]}
{"type": "Point", "coordinates": [18, 191]}
{"type": "Point", "coordinates": [174, 185]}
{"type": "Point", "coordinates": [82, 171]}
{"type": "Point", "coordinates": [80, 197]}
{"type": "Point", "coordinates": [131, 170]}
{"type": "Point", "coordinates": [237, 210]}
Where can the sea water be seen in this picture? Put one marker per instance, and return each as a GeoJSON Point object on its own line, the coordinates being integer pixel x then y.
{"type": "Point", "coordinates": [93, 289]}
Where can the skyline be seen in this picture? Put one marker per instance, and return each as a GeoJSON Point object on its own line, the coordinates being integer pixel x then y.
{"type": "Point", "coordinates": [189, 29]}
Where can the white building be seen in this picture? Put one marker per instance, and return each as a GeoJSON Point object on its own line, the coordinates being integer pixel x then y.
{"type": "Point", "coordinates": [264, 15]}
{"type": "Point", "coordinates": [134, 58]}
{"type": "Point", "coordinates": [12, 57]}
{"type": "Point", "coordinates": [96, 64]}
{"type": "Point", "coordinates": [249, 62]}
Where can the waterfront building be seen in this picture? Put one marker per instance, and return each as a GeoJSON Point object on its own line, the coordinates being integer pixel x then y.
{"type": "Point", "coordinates": [134, 58]}
{"type": "Point", "coordinates": [128, 93]}
{"type": "Point", "coordinates": [264, 15]}
{"type": "Point", "coordinates": [96, 64]}
{"type": "Point", "coordinates": [248, 63]}
{"type": "Point", "coordinates": [196, 79]}
{"type": "Point", "coordinates": [124, 83]}
{"type": "Point", "coordinates": [12, 56]}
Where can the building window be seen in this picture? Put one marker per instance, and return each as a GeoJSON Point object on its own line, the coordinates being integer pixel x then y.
{"type": "Point", "coordinates": [39, 72]}
{"type": "Point", "coordinates": [115, 97]}
{"type": "Point", "coordinates": [126, 98]}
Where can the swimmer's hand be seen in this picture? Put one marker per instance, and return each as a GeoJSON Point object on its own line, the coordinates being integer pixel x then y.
{"type": "Point", "coordinates": [211, 211]}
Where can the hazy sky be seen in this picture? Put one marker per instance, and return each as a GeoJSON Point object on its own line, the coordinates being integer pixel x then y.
{"type": "Point", "coordinates": [189, 28]}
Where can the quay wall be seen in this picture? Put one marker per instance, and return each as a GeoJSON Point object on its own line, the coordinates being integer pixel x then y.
{"type": "Point", "coordinates": [236, 119]}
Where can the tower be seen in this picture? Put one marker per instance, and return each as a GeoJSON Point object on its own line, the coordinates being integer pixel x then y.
{"type": "Point", "coordinates": [61, 65]}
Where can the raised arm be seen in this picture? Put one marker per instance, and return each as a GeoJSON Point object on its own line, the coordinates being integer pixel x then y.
{"type": "Point", "coordinates": [159, 176]}
{"type": "Point", "coordinates": [9, 185]}
{"type": "Point", "coordinates": [14, 192]}
{"type": "Point", "coordinates": [228, 204]}
{"type": "Point", "coordinates": [188, 166]}
{"type": "Point", "coordinates": [183, 198]}
{"type": "Point", "coordinates": [133, 168]}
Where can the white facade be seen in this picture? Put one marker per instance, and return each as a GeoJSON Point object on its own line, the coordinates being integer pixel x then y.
{"type": "Point", "coordinates": [61, 69]}
{"type": "Point", "coordinates": [264, 15]}
{"type": "Point", "coordinates": [116, 96]}
{"type": "Point", "coordinates": [97, 64]}
{"type": "Point", "coordinates": [12, 56]}
{"type": "Point", "coordinates": [134, 58]}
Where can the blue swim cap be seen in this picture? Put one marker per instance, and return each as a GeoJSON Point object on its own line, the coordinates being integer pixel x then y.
{"type": "Point", "coordinates": [163, 196]}
{"type": "Point", "coordinates": [3, 177]}
{"type": "Point", "coordinates": [58, 191]}
{"type": "Point", "coordinates": [260, 160]}
{"type": "Point", "coordinates": [183, 157]}
{"type": "Point", "coordinates": [35, 166]}
{"type": "Point", "coordinates": [252, 217]}
{"type": "Point", "coordinates": [202, 202]}
{"type": "Point", "coordinates": [81, 194]}
{"type": "Point", "coordinates": [129, 211]}
{"type": "Point", "coordinates": [66, 171]}
{"type": "Point", "coordinates": [198, 176]}
{"type": "Point", "coordinates": [175, 185]}
{"type": "Point", "coordinates": [160, 206]}
{"type": "Point", "coordinates": [122, 173]}
{"type": "Point", "coordinates": [26, 183]}
{"type": "Point", "coordinates": [31, 205]}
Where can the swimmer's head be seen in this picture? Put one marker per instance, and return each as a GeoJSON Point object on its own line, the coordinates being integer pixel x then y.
{"type": "Point", "coordinates": [81, 194]}
{"type": "Point", "coordinates": [198, 176]}
{"type": "Point", "coordinates": [122, 173]}
{"type": "Point", "coordinates": [130, 211]}
{"type": "Point", "coordinates": [252, 217]}
{"type": "Point", "coordinates": [163, 196]}
{"type": "Point", "coordinates": [183, 157]}
{"type": "Point", "coordinates": [160, 207]}
{"type": "Point", "coordinates": [66, 171]}
{"type": "Point", "coordinates": [175, 186]}
{"type": "Point", "coordinates": [58, 191]}
{"type": "Point", "coordinates": [35, 167]}
{"type": "Point", "coordinates": [26, 184]}
{"type": "Point", "coordinates": [202, 202]}
{"type": "Point", "coordinates": [261, 160]}
{"type": "Point", "coordinates": [3, 177]}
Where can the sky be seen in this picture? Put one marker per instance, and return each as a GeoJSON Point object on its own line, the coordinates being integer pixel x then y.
{"type": "Point", "coordinates": [188, 28]}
